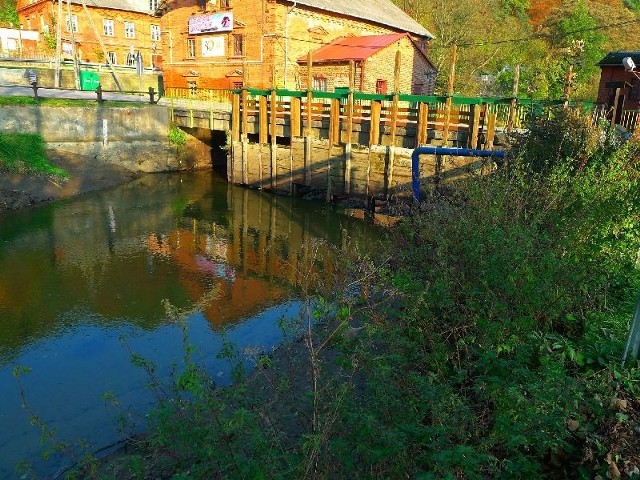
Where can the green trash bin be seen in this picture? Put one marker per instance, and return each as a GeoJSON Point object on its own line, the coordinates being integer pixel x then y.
{"type": "Point", "coordinates": [89, 80]}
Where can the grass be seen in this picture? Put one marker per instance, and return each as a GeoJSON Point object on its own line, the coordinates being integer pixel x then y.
{"type": "Point", "coordinates": [26, 153]}
{"type": "Point", "coordinates": [65, 102]}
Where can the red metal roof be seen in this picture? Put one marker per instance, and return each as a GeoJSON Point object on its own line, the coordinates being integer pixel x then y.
{"type": "Point", "coordinates": [353, 48]}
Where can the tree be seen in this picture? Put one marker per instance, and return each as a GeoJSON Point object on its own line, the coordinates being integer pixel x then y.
{"type": "Point", "coordinates": [9, 14]}
{"type": "Point", "coordinates": [576, 39]}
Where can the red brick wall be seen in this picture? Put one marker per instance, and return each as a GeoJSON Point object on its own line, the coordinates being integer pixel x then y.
{"type": "Point", "coordinates": [379, 66]}
{"type": "Point", "coordinates": [276, 35]}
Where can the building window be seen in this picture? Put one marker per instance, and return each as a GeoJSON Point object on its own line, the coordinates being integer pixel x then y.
{"type": "Point", "coordinates": [191, 48]}
{"type": "Point", "coordinates": [111, 56]}
{"type": "Point", "coordinates": [107, 28]}
{"type": "Point", "coordinates": [153, 5]}
{"type": "Point", "coordinates": [129, 30]}
{"type": "Point", "coordinates": [237, 85]}
{"type": "Point", "coordinates": [193, 87]}
{"type": "Point", "coordinates": [238, 45]}
{"type": "Point", "coordinates": [202, 5]}
{"type": "Point", "coordinates": [155, 33]}
{"type": "Point", "coordinates": [319, 84]}
{"type": "Point", "coordinates": [224, 3]}
{"type": "Point", "coordinates": [72, 23]}
{"type": "Point", "coordinates": [131, 59]}
{"type": "Point", "coordinates": [381, 87]}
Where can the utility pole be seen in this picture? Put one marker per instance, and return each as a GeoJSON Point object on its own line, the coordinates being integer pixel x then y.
{"type": "Point", "coordinates": [514, 98]}
{"type": "Point", "coordinates": [568, 85]}
{"type": "Point", "coordinates": [104, 49]}
{"type": "Point", "coordinates": [76, 76]}
{"type": "Point", "coordinates": [58, 44]}
{"type": "Point", "coordinates": [449, 100]}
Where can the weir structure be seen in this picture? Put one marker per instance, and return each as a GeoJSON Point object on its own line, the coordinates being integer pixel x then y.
{"type": "Point", "coordinates": [351, 143]}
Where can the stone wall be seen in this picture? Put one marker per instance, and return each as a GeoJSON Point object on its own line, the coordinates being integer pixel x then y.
{"type": "Point", "coordinates": [135, 138]}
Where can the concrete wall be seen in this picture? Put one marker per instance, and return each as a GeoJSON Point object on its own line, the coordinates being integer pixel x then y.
{"type": "Point", "coordinates": [136, 137]}
{"type": "Point", "coordinates": [129, 80]}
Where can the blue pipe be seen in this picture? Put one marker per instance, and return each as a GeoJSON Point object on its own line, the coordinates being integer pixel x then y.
{"type": "Point", "coordinates": [460, 152]}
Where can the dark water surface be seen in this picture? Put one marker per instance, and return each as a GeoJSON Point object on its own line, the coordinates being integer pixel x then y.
{"type": "Point", "coordinates": [83, 281]}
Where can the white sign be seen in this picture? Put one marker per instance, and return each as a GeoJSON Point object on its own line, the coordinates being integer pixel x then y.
{"type": "Point", "coordinates": [216, 22]}
{"type": "Point", "coordinates": [213, 46]}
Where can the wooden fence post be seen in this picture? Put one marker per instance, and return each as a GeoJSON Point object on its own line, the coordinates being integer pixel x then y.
{"type": "Point", "coordinates": [447, 109]}
{"type": "Point", "coordinates": [235, 117]}
{"type": "Point", "coordinates": [334, 122]}
{"type": "Point", "coordinates": [514, 99]}
{"type": "Point", "coordinates": [263, 132]}
{"type": "Point", "coordinates": [491, 131]}
{"type": "Point", "coordinates": [421, 129]}
{"type": "Point", "coordinates": [295, 121]}
{"type": "Point", "coordinates": [616, 107]}
{"type": "Point", "coordinates": [374, 123]}
{"type": "Point", "coordinates": [475, 126]}
{"type": "Point", "coordinates": [274, 146]}
{"type": "Point", "coordinates": [394, 120]}
{"type": "Point", "coordinates": [308, 131]}
{"type": "Point", "coordinates": [347, 147]}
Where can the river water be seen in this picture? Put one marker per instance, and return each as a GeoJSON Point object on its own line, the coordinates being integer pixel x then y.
{"type": "Point", "coordinates": [84, 283]}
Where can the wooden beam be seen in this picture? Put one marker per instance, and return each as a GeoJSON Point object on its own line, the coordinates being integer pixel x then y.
{"type": "Point", "coordinates": [294, 119]}
{"type": "Point", "coordinates": [263, 120]}
{"type": "Point", "coordinates": [374, 122]}
{"type": "Point", "coordinates": [235, 117]}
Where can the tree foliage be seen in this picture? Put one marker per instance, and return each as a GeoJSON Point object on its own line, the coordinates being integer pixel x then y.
{"type": "Point", "coordinates": [9, 14]}
{"type": "Point", "coordinates": [544, 37]}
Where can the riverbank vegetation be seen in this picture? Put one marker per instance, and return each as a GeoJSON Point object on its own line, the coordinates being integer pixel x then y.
{"type": "Point", "coordinates": [481, 338]}
{"type": "Point", "coordinates": [26, 153]}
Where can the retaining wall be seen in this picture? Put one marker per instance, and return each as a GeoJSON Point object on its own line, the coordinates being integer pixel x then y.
{"type": "Point", "coordinates": [135, 138]}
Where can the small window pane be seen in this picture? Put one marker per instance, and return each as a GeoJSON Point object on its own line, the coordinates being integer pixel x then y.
{"type": "Point", "coordinates": [129, 30]}
{"type": "Point", "coordinates": [155, 33]}
{"type": "Point", "coordinates": [107, 27]}
{"type": "Point", "coordinates": [238, 45]}
{"type": "Point", "coordinates": [191, 47]}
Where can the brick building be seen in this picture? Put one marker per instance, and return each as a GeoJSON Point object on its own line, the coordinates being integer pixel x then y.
{"type": "Point", "coordinates": [128, 29]}
{"type": "Point", "coordinates": [223, 43]}
{"type": "Point", "coordinates": [374, 59]}
{"type": "Point", "coordinates": [613, 76]}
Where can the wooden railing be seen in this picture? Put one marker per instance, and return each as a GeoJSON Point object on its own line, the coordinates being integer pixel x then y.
{"type": "Point", "coordinates": [266, 109]}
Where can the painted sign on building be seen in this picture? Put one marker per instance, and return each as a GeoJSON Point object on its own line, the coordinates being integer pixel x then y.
{"type": "Point", "coordinates": [216, 22]}
{"type": "Point", "coordinates": [213, 46]}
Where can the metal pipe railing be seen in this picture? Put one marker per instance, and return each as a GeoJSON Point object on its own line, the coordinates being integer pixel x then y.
{"type": "Point", "coordinates": [460, 152]}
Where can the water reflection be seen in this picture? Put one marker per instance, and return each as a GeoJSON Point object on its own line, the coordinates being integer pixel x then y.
{"type": "Point", "coordinates": [77, 275]}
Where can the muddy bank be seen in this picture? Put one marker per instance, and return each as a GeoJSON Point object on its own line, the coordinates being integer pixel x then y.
{"type": "Point", "coordinates": [86, 174]}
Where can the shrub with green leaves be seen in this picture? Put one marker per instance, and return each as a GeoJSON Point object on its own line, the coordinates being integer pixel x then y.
{"type": "Point", "coordinates": [26, 153]}
{"type": "Point", "coordinates": [513, 296]}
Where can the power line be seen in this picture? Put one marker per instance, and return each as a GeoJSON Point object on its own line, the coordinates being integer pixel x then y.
{"type": "Point", "coordinates": [537, 36]}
